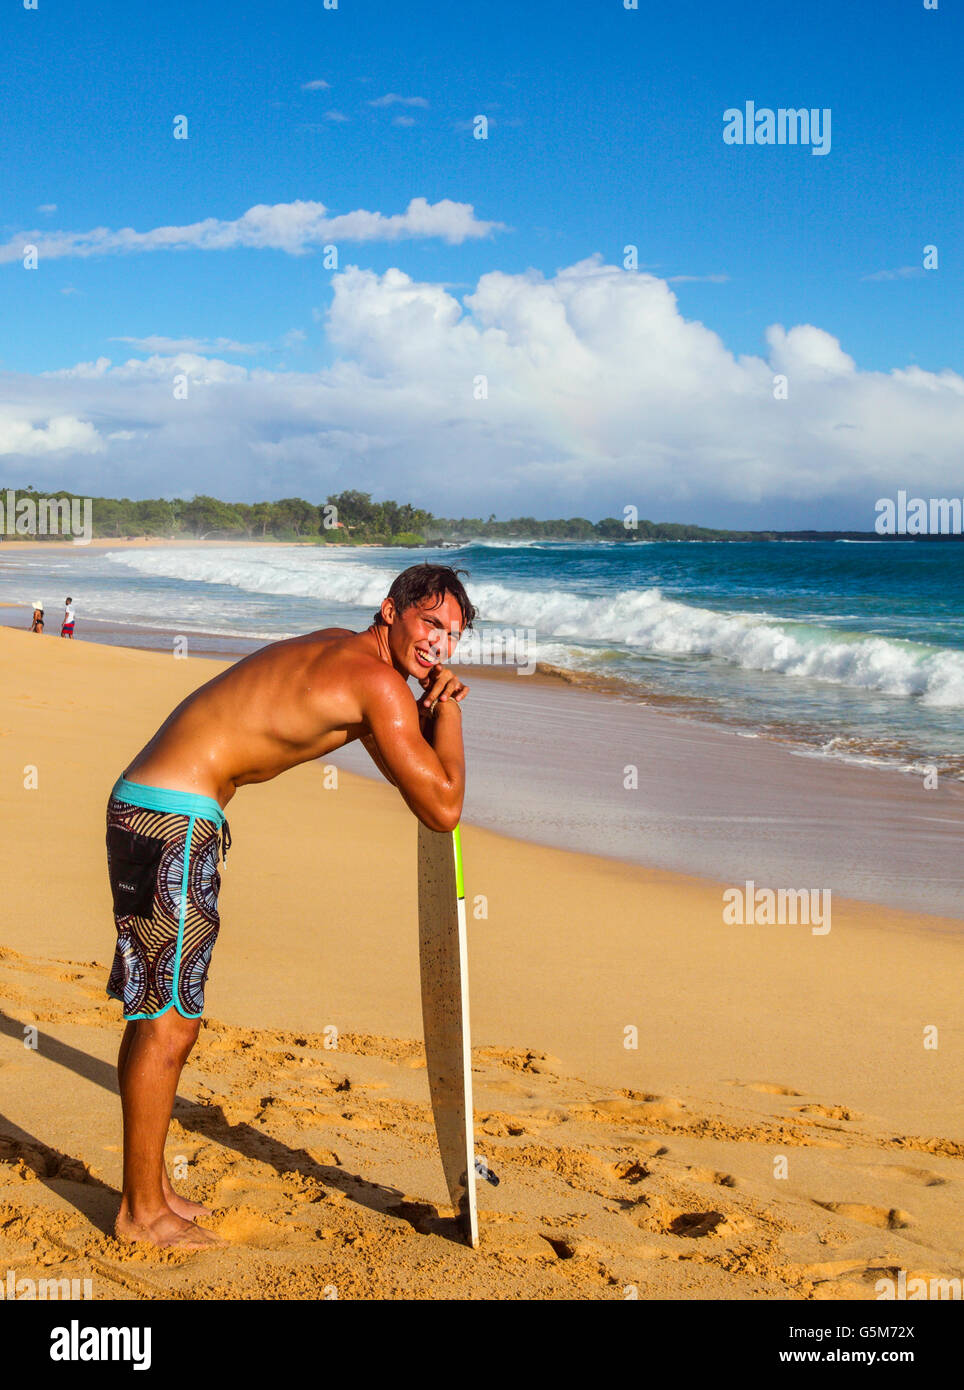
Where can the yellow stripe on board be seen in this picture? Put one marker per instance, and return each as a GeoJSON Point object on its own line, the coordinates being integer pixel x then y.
{"type": "Point", "coordinates": [457, 842]}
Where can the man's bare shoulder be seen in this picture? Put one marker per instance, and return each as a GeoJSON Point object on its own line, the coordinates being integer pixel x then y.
{"type": "Point", "coordinates": [368, 671]}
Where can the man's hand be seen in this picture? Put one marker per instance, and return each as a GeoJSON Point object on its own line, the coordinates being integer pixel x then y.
{"type": "Point", "coordinates": [440, 685]}
{"type": "Point", "coordinates": [429, 772]}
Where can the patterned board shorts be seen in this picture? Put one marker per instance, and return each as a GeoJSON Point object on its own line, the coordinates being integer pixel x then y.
{"type": "Point", "coordinates": [165, 901]}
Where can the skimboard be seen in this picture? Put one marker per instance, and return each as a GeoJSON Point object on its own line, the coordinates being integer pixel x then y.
{"type": "Point", "coordinates": [445, 1015]}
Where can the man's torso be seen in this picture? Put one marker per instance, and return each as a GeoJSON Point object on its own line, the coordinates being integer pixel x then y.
{"type": "Point", "coordinates": [283, 705]}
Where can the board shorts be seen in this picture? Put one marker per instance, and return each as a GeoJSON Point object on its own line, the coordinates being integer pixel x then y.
{"type": "Point", "coordinates": [162, 862]}
{"type": "Point", "coordinates": [67, 630]}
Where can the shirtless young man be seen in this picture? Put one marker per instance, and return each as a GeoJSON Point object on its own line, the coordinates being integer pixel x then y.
{"type": "Point", "coordinates": [283, 705]}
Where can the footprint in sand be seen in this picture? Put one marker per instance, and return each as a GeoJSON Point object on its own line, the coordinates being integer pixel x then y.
{"type": "Point", "coordinates": [768, 1088]}
{"type": "Point", "coordinates": [515, 1240]}
{"type": "Point", "coordinates": [696, 1223]}
{"type": "Point", "coordinates": [359, 1121]}
{"type": "Point", "coordinates": [500, 1126]}
{"type": "Point", "coordinates": [828, 1112]}
{"type": "Point", "coordinates": [38, 1161]}
{"type": "Point", "coordinates": [509, 1086]}
{"type": "Point", "coordinates": [630, 1171]}
{"type": "Point", "coordinates": [564, 1249]}
{"type": "Point", "coordinates": [637, 1107]}
{"type": "Point", "coordinates": [240, 1112]}
{"type": "Point", "coordinates": [243, 1226]}
{"type": "Point", "coordinates": [710, 1175]}
{"type": "Point", "coordinates": [232, 1183]}
{"type": "Point", "coordinates": [515, 1059]}
{"type": "Point", "coordinates": [530, 1117]}
{"type": "Point", "coordinates": [856, 1279]}
{"type": "Point", "coordinates": [926, 1177]}
{"type": "Point", "coordinates": [656, 1214]}
{"type": "Point", "coordinates": [890, 1219]}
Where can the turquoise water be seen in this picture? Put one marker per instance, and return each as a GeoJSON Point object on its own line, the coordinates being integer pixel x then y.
{"type": "Point", "coordinates": [846, 650]}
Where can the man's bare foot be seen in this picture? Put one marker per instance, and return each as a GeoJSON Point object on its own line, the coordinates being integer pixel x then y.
{"type": "Point", "coordinates": [183, 1206]}
{"type": "Point", "coordinates": [165, 1231]}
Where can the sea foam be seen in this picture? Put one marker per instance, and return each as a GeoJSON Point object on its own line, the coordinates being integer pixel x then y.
{"type": "Point", "coordinates": [640, 621]}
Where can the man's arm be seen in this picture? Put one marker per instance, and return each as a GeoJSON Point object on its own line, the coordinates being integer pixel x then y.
{"type": "Point", "coordinates": [430, 776]}
{"type": "Point", "coordinates": [371, 747]}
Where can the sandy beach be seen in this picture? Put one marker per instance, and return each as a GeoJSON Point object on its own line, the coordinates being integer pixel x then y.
{"type": "Point", "coordinates": [14, 545]}
{"type": "Point", "coordinates": [778, 1131]}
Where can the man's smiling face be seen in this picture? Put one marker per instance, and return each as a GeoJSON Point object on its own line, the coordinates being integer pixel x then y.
{"type": "Point", "coordinates": [424, 634]}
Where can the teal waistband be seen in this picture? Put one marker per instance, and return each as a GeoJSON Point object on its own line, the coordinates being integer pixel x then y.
{"type": "Point", "coordinates": [164, 799]}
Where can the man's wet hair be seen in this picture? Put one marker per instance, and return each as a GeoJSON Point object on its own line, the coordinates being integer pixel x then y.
{"type": "Point", "coordinates": [425, 581]}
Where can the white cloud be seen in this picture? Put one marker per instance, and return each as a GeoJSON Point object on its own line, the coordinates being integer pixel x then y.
{"type": "Point", "coordinates": [82, 369]}
{"type": "Point", "coordinates": [393, 99]}
{"type": "Point", "coordinates": [808, 351]}
{"type": "Point", "coordinates": [902, 272]}
{"type": "Point", "coordinates": [317, 85]}
{"type": "Point", "coordinates": [200, 371]}
{"type": "Point", "coordinates": [403, 120]}
{"type": "Point", "coordinates": [291, 227]}
{"type": "Point", "coordinates": [155, 368]}
{"type": "Point", "coordinates": [697, 279]}
{"type": "Point", "coordinates": [47, 207]}
{"type": "Point", "coordinates": [57, 434]}
{"type": "Point", "coordinates": [600, 393]}
{"type": "Point", "coordinates": [199, 345]}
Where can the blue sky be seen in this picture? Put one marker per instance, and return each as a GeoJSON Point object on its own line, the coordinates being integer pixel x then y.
{"type": "Point", "coordinates": [605, 130]}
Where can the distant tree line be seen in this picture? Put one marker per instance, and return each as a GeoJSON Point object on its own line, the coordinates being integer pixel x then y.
{"type": "Point", "coordinates": [577, 528]}
{"type": "Point", "coordinates": [350, 518]}
{"type": "Point", "coordinates": [343, 518]}
{"type": "Point", "coordinates": [353, 518]}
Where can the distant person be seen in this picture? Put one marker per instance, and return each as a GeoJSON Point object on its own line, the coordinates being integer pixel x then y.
{"type": "Point", "coordinates": [37, 624]}
{"type": "Point", "coordinates": [67, 627]}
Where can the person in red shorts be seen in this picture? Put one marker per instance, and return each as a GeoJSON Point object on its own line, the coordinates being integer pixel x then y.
{"type": "Point", "coordinates": [67, 626]}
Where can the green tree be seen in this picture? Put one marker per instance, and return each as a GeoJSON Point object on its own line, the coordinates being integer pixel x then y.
{"type": "Point", "coordinates": [297, 515]}
{"type": "Point", "coordinates": [204, 516]}
{"type": "Point", "coordinates": [154, 516]}
{"type": "Point", "coordinates": [262, 516]}
{"type": "Point", "coordinates": [354, 508]}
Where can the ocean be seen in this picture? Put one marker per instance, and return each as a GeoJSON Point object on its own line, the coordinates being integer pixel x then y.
{"type": "Point", "coordinates": [843, 650]}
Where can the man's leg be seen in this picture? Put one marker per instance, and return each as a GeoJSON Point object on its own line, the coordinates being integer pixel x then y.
{"type": "Point", "coordinates": [153, 1052]}
{"type": "Point", "coordinates": [181, 1206]}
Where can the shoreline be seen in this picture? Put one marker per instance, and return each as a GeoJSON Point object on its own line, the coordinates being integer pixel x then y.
{"type": "Point", "coordinates": [203, 647]}
{"type": "Point", "coordinates": [711, 801]}
{"type": "Point", "coordinates": [909, 764]}
{"type": "Point", "coordinates": [141, 542]}
{"type": "Point", "coordinates": [873, 748]}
